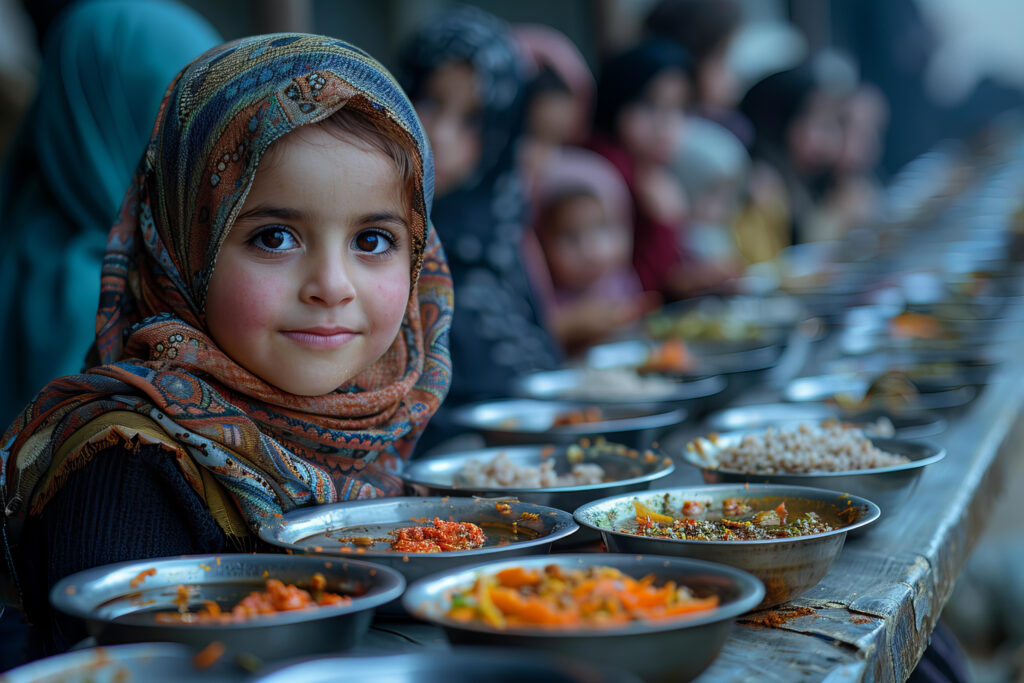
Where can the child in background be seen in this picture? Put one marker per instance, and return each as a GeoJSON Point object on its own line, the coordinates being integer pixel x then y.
{"type": "Point", "coordinates": [584, 227]}
{"type": "Point", "coordinates": [798, 138]}
{"type": "Point", "coordinates": [272, 325]}
{"type": "Point", "coordinates": [853, 197]}
{"type": "Point", "coordinates": [712, 165]}
{"type": "Point", "coordinates": [641, 102]}
{"type": "Point", "coordinates": [706, 29]}
{"type": "Point", "coordinates": [559, 97]}
{"type": "Point", "coordinates": [464, 74]}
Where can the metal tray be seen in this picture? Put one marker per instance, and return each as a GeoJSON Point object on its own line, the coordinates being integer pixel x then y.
{"type": "Point", "coordinates": [669, 650]}
{"type": "Point", "coordinates": [461, 665]}
{"type": "Point", "coordinates": [150, 662]}
{"type": "Point", "coordinates": [889, 487]}
{"type": "Point", "coordinates": [437, 475]}
{"type": "Point", "coordinates": [787, 566]}
{"type": "Point", "coordinates": [309, 530]}
{"type": "Point", "coordinates": [562, 385]}
{"type": "Point", "coordinates": [634, 353]}
{"type": "Point", "coordinates": [825, 387]}
{"type": "Point", "coordinates": [116, 612]}
{"type": "Point", "coordinates": [907, 425]}
{"type": "Point", "coordinates": [521, 421]}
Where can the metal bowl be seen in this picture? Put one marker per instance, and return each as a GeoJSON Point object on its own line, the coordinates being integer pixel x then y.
{"type": "Point", "coordinates": [889, 487]}
{"type": "Point", "coordinates": [115, 611]}
{"type": "Point", "coordinates": [787, 566]}
{"type": "Point", "coordinates": [437, 475]}
{"type": "Point", "coordinates": [309, 530]}
{"type": "Point", "coordinates": [578, 385]}
{"type": "Point", "coordinates": [676, 649]}
{"type": "Point", "coordinates": [907, 425]}
{"type": "Point", "coordinates": [461, 665]}
{"type": "Point", "coordinates": [524, 421]}
{"type": "Point", "coordinates": [825, 387]}
{"type": "Point", "coordinates": [151, 662]}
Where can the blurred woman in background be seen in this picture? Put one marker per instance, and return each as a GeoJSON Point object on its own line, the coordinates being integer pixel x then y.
{"type": "Point", "coordinates": [798, 139]}
{"type": "Point", "coordinates": [559, 100]}
{"type": "Point", "coordinates": [464, 75]}
{"type": "Point", "coordinates": [641, 104]}
{"type": "Point", "coordinates": [106, 66]}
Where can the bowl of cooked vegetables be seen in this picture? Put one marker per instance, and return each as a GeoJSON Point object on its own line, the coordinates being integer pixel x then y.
{"type": "Point", "coordinates": [248, 606]}
{"type": "Point", "coordinates": [831, 455]}
{"type": "Point", "coordinates": [787, 536]}
{"type": "Point", "coordinates": [418, 536]}
{"type": "Point", "coordinates": [663, 618]}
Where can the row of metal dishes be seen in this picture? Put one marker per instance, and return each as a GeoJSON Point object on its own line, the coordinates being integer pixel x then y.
{"type": "Point", "coordinates": [119, 608]}
{"type": "Point", "coordinates": [344, 543]}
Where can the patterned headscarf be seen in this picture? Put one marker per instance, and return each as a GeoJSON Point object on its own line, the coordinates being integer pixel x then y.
{"type": "Point", "coordinates": [269, 450]}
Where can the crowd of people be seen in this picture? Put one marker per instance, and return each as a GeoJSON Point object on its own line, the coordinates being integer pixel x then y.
{"type": "Point", "coordinates": [553, 205]}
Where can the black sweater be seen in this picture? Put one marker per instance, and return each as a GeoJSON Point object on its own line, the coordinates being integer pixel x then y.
{"type": "Point", "coordinates": [123, 505]}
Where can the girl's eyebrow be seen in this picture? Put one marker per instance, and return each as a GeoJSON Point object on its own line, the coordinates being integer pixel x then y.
{"type": "Point", "coordinates": [384, 217]}
{"type": "Point", "coordinates": [279, 212]}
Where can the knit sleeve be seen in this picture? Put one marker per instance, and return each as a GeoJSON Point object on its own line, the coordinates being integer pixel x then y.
{"type": "Point", "coordinates": [123, 505]}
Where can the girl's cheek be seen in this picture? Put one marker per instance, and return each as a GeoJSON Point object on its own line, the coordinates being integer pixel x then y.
{"type": "Point", "coordinates": [391, 297]}
{"type": "Point", "coordinates": [251, 301]}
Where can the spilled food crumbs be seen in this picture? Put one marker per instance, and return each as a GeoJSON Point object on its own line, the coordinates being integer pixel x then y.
{"type": "Point", "coordinates": [774, 618]}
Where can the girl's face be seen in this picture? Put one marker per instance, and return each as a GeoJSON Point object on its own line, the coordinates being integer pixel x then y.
{"type": "Point", "coordinates": [312, 281]}
{"type": "Point", "coordinates": [552, 118]}
{"type": "Point", "coordinates": [582, 244]}
{"type": "Point", "coordinates": [450, 110]}
{"type": "Point", "coordinates": [717, 84]}
{"type": "Point", "coordinates": [815, 138]}
{"type": "Point", "coordinates": [650, 128]}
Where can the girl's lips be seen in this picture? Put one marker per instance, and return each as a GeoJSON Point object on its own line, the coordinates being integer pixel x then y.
{"type": "Point", "coordinates": [321, 337]}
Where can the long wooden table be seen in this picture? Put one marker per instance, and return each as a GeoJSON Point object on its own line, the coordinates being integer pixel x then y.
{"type": "Point", "coordinates": [872, 616]}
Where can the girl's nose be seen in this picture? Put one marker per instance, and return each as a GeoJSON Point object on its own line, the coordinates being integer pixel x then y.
{"type": "Point", "coordinates": [327, 282]}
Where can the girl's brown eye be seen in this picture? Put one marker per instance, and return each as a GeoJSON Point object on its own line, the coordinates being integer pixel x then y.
{"type": "Point", "coordinates": [274, 239]}
{"type": "Point", "coordinates": [373, 242]}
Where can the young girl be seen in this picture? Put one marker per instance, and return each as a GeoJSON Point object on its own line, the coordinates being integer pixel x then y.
{"type": "Point", "coordinates": [584, 225]}
{"type": "Point", "coordinates": [272, 330]}
{"type": "Point", "coordinates": [464, 75]}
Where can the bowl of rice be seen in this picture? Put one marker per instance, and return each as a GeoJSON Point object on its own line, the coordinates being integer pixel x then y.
{"type": "Point", "coordinates": [831, 456]}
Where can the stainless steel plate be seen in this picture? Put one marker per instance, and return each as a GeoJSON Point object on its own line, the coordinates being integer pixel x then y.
{"type": "Point", "coordinates": [518, 421]}
{"type": "Point", "coordinates": [322, 530]}
{"type": "Point", "coordinates": [634, 353]}
{"type": "Point", "coordinates": [908, 425]}
{"type": "Point", "coordinates": [888, 487]}
{"type": "Point", "coordinates": [824, 387]}
{"type": "Point", "coordinates": [787, 566]}
{"type": "Point", "coordinates": [673, 649]}
{"type": "Point", "coordinates": [116, 611]}
{"type": "Point", "coordinates": [461, 665]}
{"type": "Point", "coordinates": [598, 387]}
{"type": "Point", "coordinates": [150, 662]}
{"type": "Point", "coordinates": [439, 475]}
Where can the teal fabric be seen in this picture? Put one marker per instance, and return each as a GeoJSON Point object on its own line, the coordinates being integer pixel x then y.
{"type": "Point", "coordinates": [106, 66]}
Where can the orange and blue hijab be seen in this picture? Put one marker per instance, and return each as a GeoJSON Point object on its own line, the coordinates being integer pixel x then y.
{"type": "Point", "coordinates": [248, 449]}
